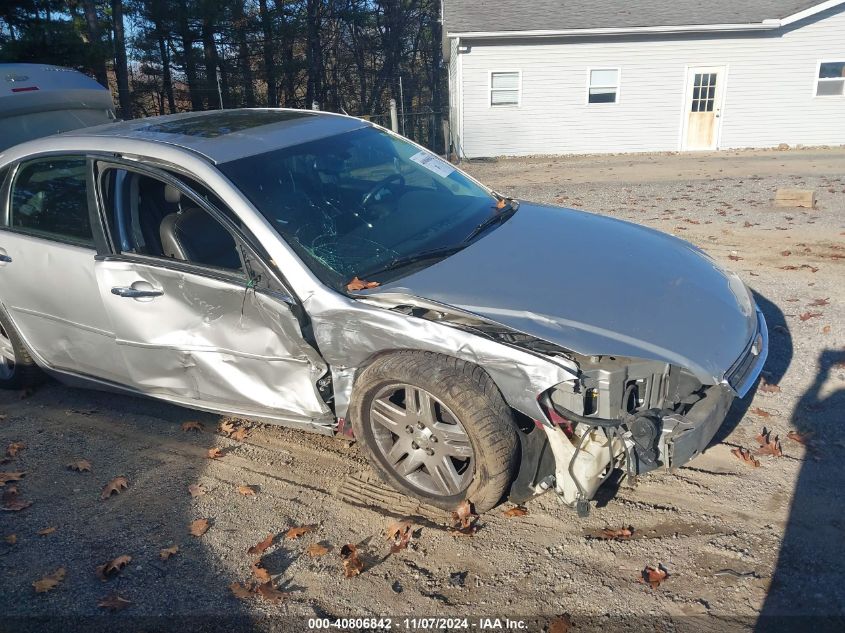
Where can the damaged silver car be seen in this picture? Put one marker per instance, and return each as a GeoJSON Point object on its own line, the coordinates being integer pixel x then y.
{"type": "Point", "coordinates": [317, 271]}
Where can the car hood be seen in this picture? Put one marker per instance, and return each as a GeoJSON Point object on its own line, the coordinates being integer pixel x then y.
{"type": "Point", "coordinates": [597, 286]}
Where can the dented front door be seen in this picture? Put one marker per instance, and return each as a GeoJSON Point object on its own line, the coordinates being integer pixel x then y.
{"type": "Point", "coordinates": [210, 341]}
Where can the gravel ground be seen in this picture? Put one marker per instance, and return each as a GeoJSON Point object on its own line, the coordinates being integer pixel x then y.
{"type": "Point", "coordinates": [777, 529]}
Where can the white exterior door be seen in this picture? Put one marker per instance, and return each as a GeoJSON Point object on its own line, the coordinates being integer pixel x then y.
{"type": "Point", "coordinates": [703, 107]}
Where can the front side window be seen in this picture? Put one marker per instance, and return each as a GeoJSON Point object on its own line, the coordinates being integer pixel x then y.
{"type": "Point", "coordinates": [352, 203]}
{"type": "Point", "coordinates": [831, 81]}
{"type": "Point", "coordinates": [149, 217]}
{"type": "Point", "coordinates": [50, 199]}
{"type": "Point", "coordinates": [504, 88]}
{"type": "Point", "coordinates": [604, 85]}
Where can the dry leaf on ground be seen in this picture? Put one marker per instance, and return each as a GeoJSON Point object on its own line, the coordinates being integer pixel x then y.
{"type": "Point", "coordinates": [801, 438]}
{"type": "Point", "coordinates": [654, 575]}
{"type": "Point", "coordinates": [240, 434]}
{"type": "Point", "coordinates": [214, 453]}
{"type": "Point", "coordinates": [226, 427]}
{"type": "Point", "coordinates": [114, 487]}
{"type": "Point", "coordinates": [352, 564]}
{"type": "Point", "coordinates": [561, 624]}
{"type": "Point", "coordinates": [240, 591]}
{"type": "Point", "coordinates": [620, 534]}
{"type": "Point", "coordinates": [12, 502]}
{"type": "Point", "coordinates": [261, 546]}
{"type": "Point", "coordinates": [246, 491]}
{"type": "Point", "coordinates": [400, 533]}
{"type": "Point", "coordinates": [746, 456]}
{"type": "Point", "coordinates": [761, 413]}
{"type": "Point", "coordinates": [810, 315]}
{"type": "Point", "coordinates": [769, 446]}
{"type": "Point", "coordinates": [196, 490]}
{"type": "Point", "coordinates": [316, 550]}
{"type": "Point", "coordinates": [50, 581]}
{"type": "Point", "coordinates": [7, 477]}
{"type": "Point", "coordinates": [816, 303]}
{"type": "Point", "coordinates": [270, 593]}
{"type": "Point", "coordinates": [295, 532]}
{"type": "Point", "coordinates": [516, 511]}
{"type": "Point", "coordinates": [768, 387]}
{"type": "Point", "coordinates": [46, 531]}
{"type": "Point", "coordinates": [360, 284]}
{"type": "Point", "coordinates": [193, 426]}
{"type": "Point", "coordinates": [167, 552]}
{"type": "Point", "coordinates": [198, 527]}
{"type": "Point", "coordinates": [80, 466]}
{"type": "Point", "coordinates": [114, 602]}
{"type": "Point", "coordinates": [112, 567]}
{"type": "Point", "coordinates": [259, 572]}
{"type": "Point", "coordinates": [14, 448]}
{"type": "Point", "coordinates": [463, 520]}
{"type": "Point", "coordinates": [11, 539]}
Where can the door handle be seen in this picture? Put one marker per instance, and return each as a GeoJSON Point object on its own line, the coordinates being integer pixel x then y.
{"type": "Point", "coordinates": [5, 258]}
{"type": "Point", "coordinates": [134, 293]}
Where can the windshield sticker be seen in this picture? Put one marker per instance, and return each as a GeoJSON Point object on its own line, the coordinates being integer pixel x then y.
{"type": "Point", "coordinates": [433, 163]}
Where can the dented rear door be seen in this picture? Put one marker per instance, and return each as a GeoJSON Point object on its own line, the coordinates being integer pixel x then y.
{"type": "Point", "coordinates": [210, 340]}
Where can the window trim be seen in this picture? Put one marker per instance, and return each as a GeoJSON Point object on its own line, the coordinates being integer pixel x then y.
{"type": "Point", "coordinates": [6, 189]}
{"type": "Point", "coordinates": [818, 79]}
{"type": "Point", "coordinates": [617, 87]}
{"type": "Point", "coordinates": [490, 74]}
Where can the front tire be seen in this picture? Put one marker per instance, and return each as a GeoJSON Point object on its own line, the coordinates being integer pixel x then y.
{"type": "Point", "coordinates": [435, 428]}
{"type": "Point", "coordinates": [17, 369]}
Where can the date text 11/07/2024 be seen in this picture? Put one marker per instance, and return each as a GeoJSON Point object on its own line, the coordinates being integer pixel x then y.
{"type": "Point", "coordinates": [418, 624]}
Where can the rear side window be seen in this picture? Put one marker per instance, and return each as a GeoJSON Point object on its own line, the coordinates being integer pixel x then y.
{"type": "Point", "coordinates": [50, 199]}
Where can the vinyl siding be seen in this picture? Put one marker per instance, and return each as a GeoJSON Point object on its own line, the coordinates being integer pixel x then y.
{"type": "Point", "coordinates": [769, 98]}
{"type": "Point", "coordinates": [453, 92]}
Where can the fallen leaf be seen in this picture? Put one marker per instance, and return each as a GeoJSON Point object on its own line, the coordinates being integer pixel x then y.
{"type": "Point", "coordinates": [227, 426]}
{"type": "Point", "coordinates": [193, 426]}
{"type": "Point", "coordinates": [826, 329]}
{"type": "Point", "coordinates": [352, 564]}
{"type": "Point", "coordinates": [114, 487]}
{"type": "Point", "coordinates": [50, 581]}
{"type": "Point", "coordinates": [654, 576]}
{"type": "Point", "coordinates": [214, 453]}
{"type": "Point", "coordinates": [761, 413]}
{"type": "Point", "coordinates": [270, 593]}
{"type": "Point", "coordinates": [768, 387]}
{"type": "Point", "coordinates": [80, 466]}
{"type": "Point", "coordinates": [12, 502]}
{"type": "Point", "coordinates": [810, 315]}
{"type": "Point", "coordinates": [819, 302]}
{"type": "Point", "coordinates": [14, 448]}
{"type": "Point", "coordinates": [769, 446]}
{"type": "Point", "coordinates": [400, 533]}
{"type": "Point", "coordinates": [11, 539]}
{"type": "Point", "coordinates": [560, 624]}
{"type": "Point", "coordinates": [516, 511]}
{"type": "Point", "coordinates": [315, 550]}
{"type": "Point", "coordinates": [360, 284]}
{"type": "Point", "coordinates": [167, 552]}
{"type": "Point", "coordinates": [801, 438]}
{"type": "Point", "coordinates": [196, 490]}
{"type": "Point", "coordinates": [247, 491]}
{"type": "Point", "coordinates": [746, 456]}
{"type": "Point", "coordinates": [240, 592]}
{"type": "Point", "coordinates": [198, 527]}
{"type": "Point", "coordinates": [734, 258]}
{"type": "Point", "coordinates": [6, 477]}
{"type": "Point", "coordinates": [261, 547]}
{"type": "Point", "coordinates": [620, 534]}
{"type": "Point", "coordinates": [786, 253]}
{"type": "Point", "coordinates": [463, 520]}
{"type": "Point", "coordinates": [259, 572]}
{"type": "Point", "coordinates": [240, 434]}
{"type": "Point", "coordinates": [295, 532]}
{"type": "Point", "coordinates": [46, 531]}
{"type": "Point", "coordinates": [114, 602]}
{"type": "Point", "coordinates": [112, 567]}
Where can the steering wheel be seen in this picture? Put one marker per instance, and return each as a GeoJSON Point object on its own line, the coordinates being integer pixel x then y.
{"type": "Point", "coordinates": [381, 184]}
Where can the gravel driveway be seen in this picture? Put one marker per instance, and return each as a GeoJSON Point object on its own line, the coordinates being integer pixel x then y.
{"type": "Point", "coordinates": [738, 540]}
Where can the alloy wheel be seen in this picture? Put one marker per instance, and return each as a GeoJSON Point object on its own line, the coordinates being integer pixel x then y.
{"type": "Point", "coordinates": [7, 355]}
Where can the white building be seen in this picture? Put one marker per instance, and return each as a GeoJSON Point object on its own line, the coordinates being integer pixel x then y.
{"type": "Point", "coordinates": [584, 76]}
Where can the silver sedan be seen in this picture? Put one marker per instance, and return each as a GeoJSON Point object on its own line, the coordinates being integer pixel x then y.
{"type": "Point", "coordinates": [317, 271]}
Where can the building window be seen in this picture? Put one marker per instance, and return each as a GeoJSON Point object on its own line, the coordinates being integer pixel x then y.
{"type": "Point", "coordinates": [504, 88]}
{"type": "Point", "coordinates": [831, 80]}
{"type": "Point", "coordinates": [604, 86]}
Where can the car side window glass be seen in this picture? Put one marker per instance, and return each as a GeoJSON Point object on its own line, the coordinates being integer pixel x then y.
{"type": "Point", "coordinates": [150, 217]}
{"type": "Point", "coordinates": [50, 199]}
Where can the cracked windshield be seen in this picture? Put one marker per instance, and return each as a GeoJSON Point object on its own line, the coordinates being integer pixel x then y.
{"type": "Point", "coordinates": [363, 203]}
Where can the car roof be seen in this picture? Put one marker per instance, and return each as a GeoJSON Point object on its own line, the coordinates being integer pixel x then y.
{"type": "Point", "coordinates": [225, 135]}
